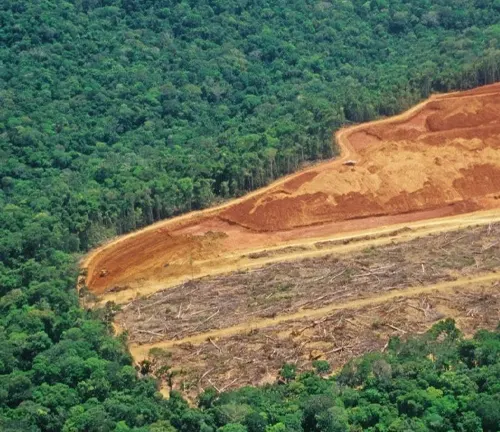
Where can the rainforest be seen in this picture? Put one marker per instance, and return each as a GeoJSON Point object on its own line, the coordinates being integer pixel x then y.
{"type": "Point", "coordinates": [117, 114]}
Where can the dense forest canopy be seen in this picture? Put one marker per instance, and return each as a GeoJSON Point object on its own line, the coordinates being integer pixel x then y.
{"type": "Point", "coordinates": [116, 113]}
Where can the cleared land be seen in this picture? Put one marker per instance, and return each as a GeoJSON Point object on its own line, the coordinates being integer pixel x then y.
{"type": "Point", "coordinates": [324, 264]}
{"type": "Point", "coordinates": [285, 288]}
{"type": "Point", "coordinates": [256, 355]}
{"type": "Point", "coordinates": [240, 328]}
{"type": "Point", "coordinates": [439, 159]}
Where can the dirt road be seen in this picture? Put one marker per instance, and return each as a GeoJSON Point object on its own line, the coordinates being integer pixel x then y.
{"type": "Point", "coordinates": [314, 247]}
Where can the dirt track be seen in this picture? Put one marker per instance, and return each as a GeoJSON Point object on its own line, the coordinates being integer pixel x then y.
{"type": "Point", "coordinates": [297, 250]}
{"type": "Point", "coordinates": [439, 159]}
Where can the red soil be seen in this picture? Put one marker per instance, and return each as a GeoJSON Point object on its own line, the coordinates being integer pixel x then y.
{"type": "Point", "coordinates": [440, 158]}
{"type": "Point", "coordinates": [299, 180]}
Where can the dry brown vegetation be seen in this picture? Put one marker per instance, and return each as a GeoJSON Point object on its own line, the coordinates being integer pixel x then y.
{"type": "Point", "coordinates": [255, 357]}
{"type": "Point", "coordinates": [363, 320]}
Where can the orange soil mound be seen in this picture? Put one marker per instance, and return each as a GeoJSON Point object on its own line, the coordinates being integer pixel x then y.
{"type": "Point", "coordinates": [440, 158]}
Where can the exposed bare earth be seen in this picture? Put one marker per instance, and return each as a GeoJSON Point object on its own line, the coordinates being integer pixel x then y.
{"type": "Point", "coordinates": [327, 263]}
{"type": "Point", "coordinates": [439, 159]}
{"type": "Point", "coordinates": [285, 288]}
{"type": "Point", "coordinates": [239, 328]}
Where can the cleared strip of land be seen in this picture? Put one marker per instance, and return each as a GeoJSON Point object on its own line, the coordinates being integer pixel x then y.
{"type": "Point", "coordinates": [239, 328]}
{"type": "Point", "coordinates": [254, 354]}
{"type": "Point", "coordinates": [285, 288]}
{"type": "Point", "coordinates": [292, 251]}
{"type": "Point", "coordinates": [140, 351]}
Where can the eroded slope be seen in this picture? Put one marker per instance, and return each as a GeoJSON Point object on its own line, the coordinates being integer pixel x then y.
{"type": "Point", "coordinates": [445, 154]}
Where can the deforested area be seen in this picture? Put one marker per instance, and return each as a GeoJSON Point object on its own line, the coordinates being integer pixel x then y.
{"type": "Point", "coordinates": [146, 143]}
{"type": "Point", "coordinates": [284, 288]}
{"type": "Point", "coordinates": [254, 356]}
{"type": "Point", "coordinates": [439, 159]}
